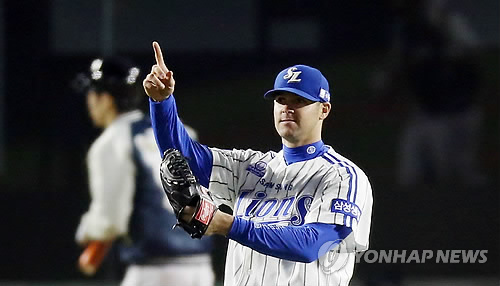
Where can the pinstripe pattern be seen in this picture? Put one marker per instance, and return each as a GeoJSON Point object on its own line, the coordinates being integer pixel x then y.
{"type": "Point", "coordinates": [248, 179]}
{"type": "Point", "coordinates": [279, 272]}
{"type": "Point", "coordinates": [264, 273]}
{"type": "Point", "coordinates": [352, 182]}
{"type": "Point", "coordinates": [293, 270]}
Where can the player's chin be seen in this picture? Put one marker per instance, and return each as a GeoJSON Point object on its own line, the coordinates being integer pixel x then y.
{"type": "Point", "coordinates": [286, 132]}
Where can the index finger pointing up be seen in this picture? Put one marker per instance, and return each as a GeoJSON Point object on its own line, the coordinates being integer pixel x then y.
{"type": "Point", "coordinates": [159, 56]}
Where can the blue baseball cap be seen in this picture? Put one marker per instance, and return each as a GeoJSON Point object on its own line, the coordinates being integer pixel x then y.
{"type": "Point", "coordinates": [301, 80]}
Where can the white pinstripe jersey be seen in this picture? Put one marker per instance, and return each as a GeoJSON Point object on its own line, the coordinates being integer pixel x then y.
{"type": "Point", "coordinates": [262, 188]}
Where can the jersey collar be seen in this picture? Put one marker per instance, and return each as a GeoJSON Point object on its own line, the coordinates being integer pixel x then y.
{"type": "Point", "coordinates": [303, 153]}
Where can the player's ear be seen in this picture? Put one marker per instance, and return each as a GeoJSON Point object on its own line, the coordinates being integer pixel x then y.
{"type": "Point", "coordinates": [325, 110]}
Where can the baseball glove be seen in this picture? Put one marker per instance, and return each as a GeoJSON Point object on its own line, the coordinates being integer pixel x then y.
{"type": "Point", "coordinates": [183, 189]}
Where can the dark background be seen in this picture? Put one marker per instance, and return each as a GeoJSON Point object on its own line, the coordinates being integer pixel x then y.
{"type": "Point", "coordinates": [225, 55]}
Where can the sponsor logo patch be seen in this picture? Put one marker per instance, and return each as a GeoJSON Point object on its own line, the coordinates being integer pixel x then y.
{"type": "Point", "coordinates": [346, 208]}
{"type": "Point", "coordinates": [258, 169]}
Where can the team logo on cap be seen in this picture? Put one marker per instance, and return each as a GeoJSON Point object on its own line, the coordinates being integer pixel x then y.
{"type": "Point", "coordinates": [292, 75]}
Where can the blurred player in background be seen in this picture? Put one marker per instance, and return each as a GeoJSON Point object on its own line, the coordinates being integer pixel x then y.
{"type": "Point", "coordinates": [128, 206]}
{"type": "Point", "coordinates": [300, 214]}
{"type": "Point", "coordinates": [433, 59]}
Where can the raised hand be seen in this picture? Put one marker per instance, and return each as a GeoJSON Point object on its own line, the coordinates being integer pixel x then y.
{"type": "Point", "coordinates": [160, 83]}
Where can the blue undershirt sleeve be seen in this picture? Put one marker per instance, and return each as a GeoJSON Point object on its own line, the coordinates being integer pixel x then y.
{"type": "Point", "coordinates": [304, 243]}
{"type": "Point", "coordinates": [170, 133]}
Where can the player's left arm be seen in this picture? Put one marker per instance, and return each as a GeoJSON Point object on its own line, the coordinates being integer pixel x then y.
{"type": "Point", "coordinates": [345, 199]}
{"type": "Point", "coordinates": [304, 243]}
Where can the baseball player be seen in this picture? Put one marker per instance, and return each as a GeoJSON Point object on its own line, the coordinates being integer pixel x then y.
{"type": "Point", "coordinates": [128, 206]}
{"type": "Point", "coordinates": [299, 215]}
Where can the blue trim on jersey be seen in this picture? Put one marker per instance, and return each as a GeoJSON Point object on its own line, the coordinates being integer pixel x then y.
{"type": "Point", "coordinates": [328, 159]}
{"type": "Point", "coordinates": [304, 243]}
{"type": "Point", "coordinates": [303, 153]}
{"type": "Point", "coordinates": [348, 172]}
{"type": "Point", "coordinates": [351, 179]}
{"type": "Point", "coordinates": [170, 133]}
{"type": "Point", "coordinates": [355, 174]}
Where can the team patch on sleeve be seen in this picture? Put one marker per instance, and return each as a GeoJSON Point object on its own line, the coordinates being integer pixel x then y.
{"type": "Point", "coordinates": [346, 208]}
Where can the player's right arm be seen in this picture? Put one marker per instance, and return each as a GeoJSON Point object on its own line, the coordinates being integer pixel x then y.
{"type": "Point", "coordinates": [168, 129]}
{"type": "Point", "coordinates": [159, 83]}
